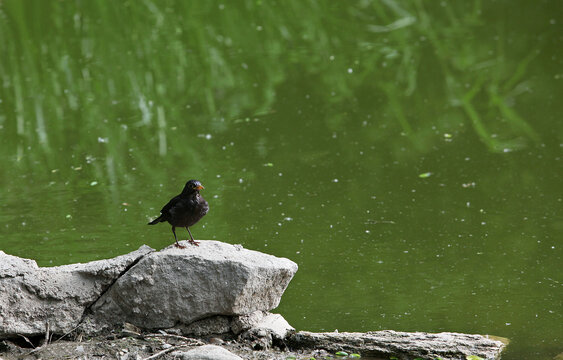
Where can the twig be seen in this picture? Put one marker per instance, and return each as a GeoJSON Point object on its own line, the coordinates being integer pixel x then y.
{"type": "Point", "coordinates": [178, 337]}
{"type": "Point", "coordinates": [165, 351]}
{"type": "Point", "coordinates": [27, 340]}
{"type": "Point", "coordinates": [47, 341]}
{"type": "Point", "coordinates": [69, 332]}
{"type": "Point", "coordinates": [47, 332]}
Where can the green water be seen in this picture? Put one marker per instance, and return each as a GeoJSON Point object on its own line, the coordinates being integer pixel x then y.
{"type": "Point", "coordinates": [406, 154]}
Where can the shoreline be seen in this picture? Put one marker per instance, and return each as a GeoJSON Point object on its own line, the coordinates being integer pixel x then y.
{"type": "Point", "coordinates": [129, 344]}
{"type": "Point", "coordinates": [215, 298]}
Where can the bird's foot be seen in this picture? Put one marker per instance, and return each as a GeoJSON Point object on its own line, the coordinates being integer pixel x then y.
{"type": "Point", "coordinates": [193, 242]}
{"type": "Point", "coordinates": [179, 246]}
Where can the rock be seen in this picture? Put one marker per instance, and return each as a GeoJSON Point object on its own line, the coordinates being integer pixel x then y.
{"type": "Point", "coordinates": [276, 325]}
{"type": "Point", "coordinates": [219, 324]}
{"type": "Point", "coordinates": [32, 297]}
{"type": "Point", "coordinates": [197, 290]}
{"type": "Point", "coordinates": [212, 325]}
{"type": "Point", "coordinates": [180, 286]}
{"type": "Point", "coordinates": [206, 352]}
{"type": "Point", "coordinates": [245, 322]}
{"type": "Point", "coordinates": [264, 330]}
{"type": "Point", "coordinates": [403, 345]}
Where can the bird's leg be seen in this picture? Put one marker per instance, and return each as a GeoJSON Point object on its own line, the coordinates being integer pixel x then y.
{"type": "Point", "coordinates": [192, 241]}
{"type": "Point", "coordinates": [177, 243]}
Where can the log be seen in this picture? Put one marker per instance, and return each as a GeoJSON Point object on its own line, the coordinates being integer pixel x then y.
{"type": "Point", "coordinates": [403, 345]}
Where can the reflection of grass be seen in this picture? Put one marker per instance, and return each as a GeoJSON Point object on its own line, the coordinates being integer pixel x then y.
{"type": "Point", "coordinates": [510, 114]}
{"type": "Point", "coordinates": [149, 76]}
{"type": "Point", "coordinates": [470, 62]}
{"type": "Point", "coordinates": [498, 103]}
{"type": "Point", "coordinates": [474, 115]}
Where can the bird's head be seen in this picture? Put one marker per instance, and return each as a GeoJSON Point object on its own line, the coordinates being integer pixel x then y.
{"type": "Point", "coordinates": [192, 186]}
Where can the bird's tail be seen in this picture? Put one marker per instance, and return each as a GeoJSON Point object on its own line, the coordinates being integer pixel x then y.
{"type": "Point", "coordinates": [156, 221]}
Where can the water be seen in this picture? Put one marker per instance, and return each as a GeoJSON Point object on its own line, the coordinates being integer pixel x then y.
{"type": "Point", "coordinates": [407, 155]}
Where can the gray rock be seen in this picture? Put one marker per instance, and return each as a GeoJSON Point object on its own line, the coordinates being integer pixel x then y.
{"type": "Point", "coordinates": [272, 324]}
{"type": "Point", "coordinates": [210, 289]}
{"type": "Point", "coordinates": [245, 322]}
{"type": "Point", "coordinates": [179, 286]}
{"type": "Point", "coordinates": [206, 352]}
{"type": "Point", "coordinates": [403, 345]}
{"type": "Point", "coordinates": [262, 329]}
{"type": "Point", "coordinates": [276, 325]}
{"type": "Point", "coordinates": [212, 325]}
{"type": "Point", "coordinates": [32, 297]}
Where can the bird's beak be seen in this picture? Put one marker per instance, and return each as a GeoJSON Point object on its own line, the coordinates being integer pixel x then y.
{"type": "Point", "coordinates": [199, 187]}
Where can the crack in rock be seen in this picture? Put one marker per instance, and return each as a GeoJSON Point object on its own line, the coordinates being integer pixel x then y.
{"type": "Point", "coordinates": [32, 296]}
{"type": "Point", "coordinates": [122, 273]}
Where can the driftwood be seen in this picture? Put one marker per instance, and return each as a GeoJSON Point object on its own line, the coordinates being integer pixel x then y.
{"type": "Point", "coordinates": [402, 345]}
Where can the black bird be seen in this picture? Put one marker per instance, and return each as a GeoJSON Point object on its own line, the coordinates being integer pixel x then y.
{"type": "Point", "coordinates": [184, 210]}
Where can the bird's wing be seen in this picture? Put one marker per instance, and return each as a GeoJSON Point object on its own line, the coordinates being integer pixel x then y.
{"type": "Point", "coordinates": [166, 209]}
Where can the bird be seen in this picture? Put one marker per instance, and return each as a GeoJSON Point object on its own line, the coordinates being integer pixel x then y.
{"type": "Point", "coordinates": [184, 210]}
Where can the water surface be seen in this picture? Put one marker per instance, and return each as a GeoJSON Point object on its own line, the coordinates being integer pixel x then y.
{"type": "Point", "coordinates": [407, 155]}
